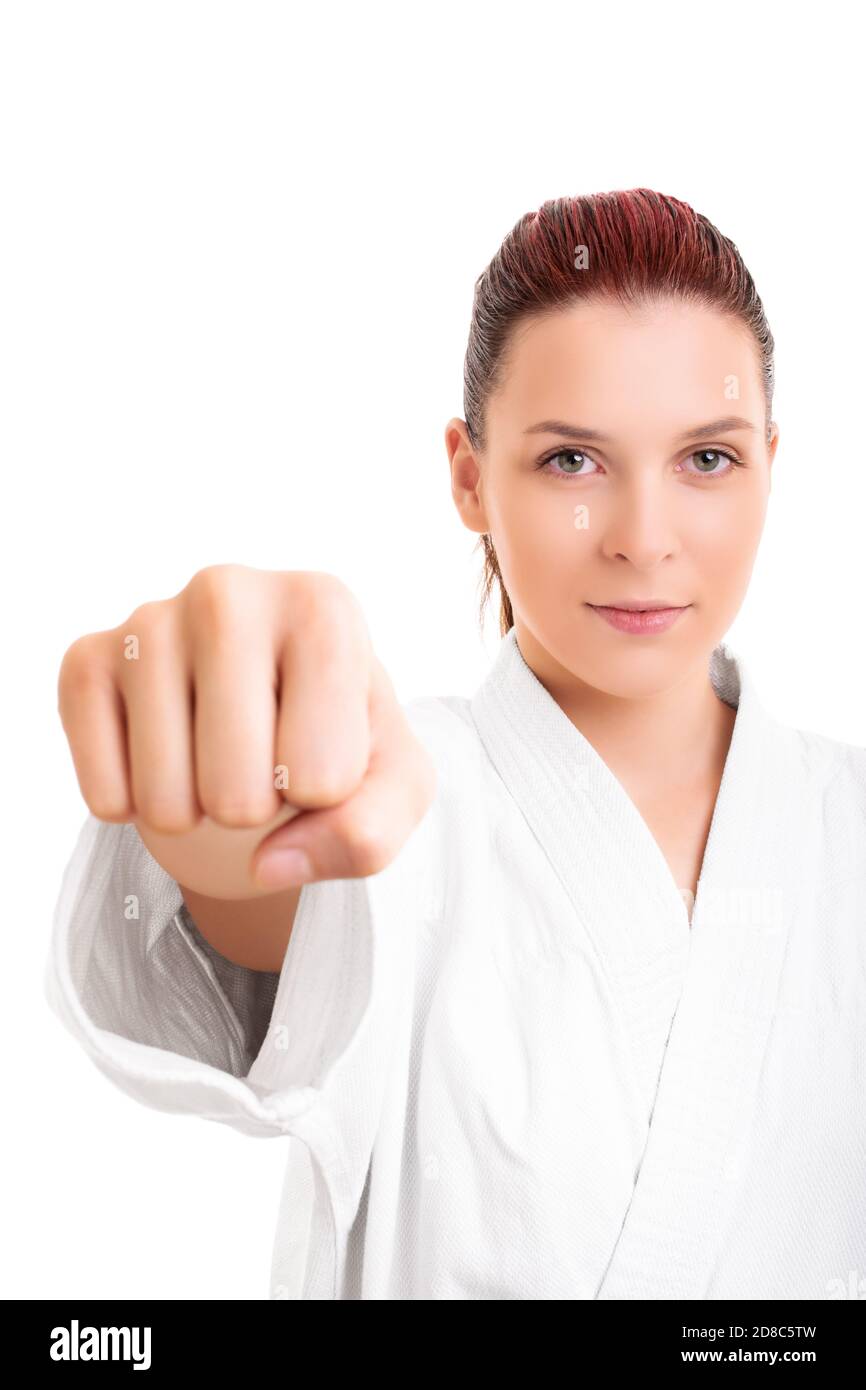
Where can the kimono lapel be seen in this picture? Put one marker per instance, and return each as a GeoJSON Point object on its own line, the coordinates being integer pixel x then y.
{"type": "Point", "coordinates": [755, 879]}
{"type": "Point", "coordinates": [695, 1002]}
{"type": "Point", "coordinates": [623, 894]}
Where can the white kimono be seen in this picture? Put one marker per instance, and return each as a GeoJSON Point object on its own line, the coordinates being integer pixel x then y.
{"type": "Point", "coordinates": [507, 1065]}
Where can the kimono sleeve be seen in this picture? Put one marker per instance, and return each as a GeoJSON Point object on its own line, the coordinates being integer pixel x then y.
{"type": "Point", "coordinates": [180, 1028]}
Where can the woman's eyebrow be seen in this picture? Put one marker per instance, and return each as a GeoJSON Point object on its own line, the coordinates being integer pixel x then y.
{"type": "Point", "coordinates": [561, 427]}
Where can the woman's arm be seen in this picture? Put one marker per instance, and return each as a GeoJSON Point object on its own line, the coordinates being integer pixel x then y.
{"type": "Point", "coordinates": [253, 932]}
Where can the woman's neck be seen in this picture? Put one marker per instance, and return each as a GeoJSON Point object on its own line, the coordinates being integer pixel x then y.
{"type": "Point", "coordinates": [673, 740]}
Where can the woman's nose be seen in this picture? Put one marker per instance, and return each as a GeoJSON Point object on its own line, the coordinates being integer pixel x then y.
{"type": "Point", "coordinates": [640, 524]}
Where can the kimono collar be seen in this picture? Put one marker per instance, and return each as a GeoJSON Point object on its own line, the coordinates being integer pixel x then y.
{"type": "Point", "coordinates": [594, 835]}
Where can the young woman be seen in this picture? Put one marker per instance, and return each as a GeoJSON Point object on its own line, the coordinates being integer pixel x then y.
{"type": "Point", "coordinates": [558, 991]}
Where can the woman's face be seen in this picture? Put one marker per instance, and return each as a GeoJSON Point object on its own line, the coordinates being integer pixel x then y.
{"type": "Point", "coordinates": [600, 485]}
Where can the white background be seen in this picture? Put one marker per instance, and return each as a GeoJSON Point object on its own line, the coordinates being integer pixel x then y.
{"type": "Point", "coordinates": [238, 245]}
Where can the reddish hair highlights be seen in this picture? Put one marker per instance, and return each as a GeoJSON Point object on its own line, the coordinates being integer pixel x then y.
{"type": "Point", "coordinates": [635, 246]}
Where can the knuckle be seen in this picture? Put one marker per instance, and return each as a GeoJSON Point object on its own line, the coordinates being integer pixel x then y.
{"type": "Point", "coordinates": [217, 599]}
{"type": "Point", "coordinates": [166, 815]}
{"type": "Point", "coordinates": [322, 787]}
{"type": "Point", "coordinates": [322, 599]}
{"type": "Point", "coordinates": [153, 620]}
{"type": "Point", "coordinates": [105, 806]}
{"type": "Point", "coordinates": [237, 810]}
{"type": "Point", "coordinates": [212, 578]}
{"type": "Point", "coordinates": [81, 665]}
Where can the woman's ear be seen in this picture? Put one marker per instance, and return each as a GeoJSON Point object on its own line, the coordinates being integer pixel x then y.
{"type": "Point", "coordinates": [466, 476]}
{"type": "Point", "coordinates": [773, 441]}
{"type": "Point", "coordinates": [772, 445]}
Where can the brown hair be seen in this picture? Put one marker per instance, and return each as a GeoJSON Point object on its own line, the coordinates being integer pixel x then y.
{"type": "Point", "coordinates": [636, 245]}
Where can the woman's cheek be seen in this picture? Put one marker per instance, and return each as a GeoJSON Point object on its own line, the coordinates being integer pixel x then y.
{"type": "Point", "coordinates": [546, 552]}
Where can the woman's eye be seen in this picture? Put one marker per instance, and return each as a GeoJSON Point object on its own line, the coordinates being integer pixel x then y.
{"type": "Point", "coordinates": [574, 461]}
{"type": "Point", "coordinates": [570, 463]}
{"type": "Point", "coordinates": [709, 459]}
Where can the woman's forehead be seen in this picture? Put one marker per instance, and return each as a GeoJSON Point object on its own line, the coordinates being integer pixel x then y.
{"type": "Point", "coordinates": [602, 369]}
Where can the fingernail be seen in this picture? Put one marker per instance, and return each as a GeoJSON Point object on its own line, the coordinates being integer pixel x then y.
{"type": "Point", "coordinates": [282, 868]}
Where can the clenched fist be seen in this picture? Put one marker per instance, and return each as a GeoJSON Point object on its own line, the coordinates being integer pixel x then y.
{"type": "Point", "coordinates": [249, 699]}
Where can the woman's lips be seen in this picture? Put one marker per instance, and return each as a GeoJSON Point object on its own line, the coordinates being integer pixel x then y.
{"type": "Point", "coordinates": [636, 621]}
